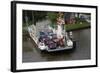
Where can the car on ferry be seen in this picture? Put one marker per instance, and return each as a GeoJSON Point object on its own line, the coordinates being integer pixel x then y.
{"type": "Point", "coordinates": [48, 42]}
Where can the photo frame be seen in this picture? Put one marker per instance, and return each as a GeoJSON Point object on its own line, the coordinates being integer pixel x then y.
{"type": "Point", "coordinates": [23, 12]}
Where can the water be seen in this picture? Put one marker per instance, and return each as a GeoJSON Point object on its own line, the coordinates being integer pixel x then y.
{"type": "Point", "coordinates": [82, 51]}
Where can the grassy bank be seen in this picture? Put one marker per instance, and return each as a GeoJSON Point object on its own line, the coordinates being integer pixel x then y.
{"type": "Point", "coordinates": [76, 26]}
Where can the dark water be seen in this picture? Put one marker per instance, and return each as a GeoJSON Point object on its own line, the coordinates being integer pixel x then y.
{"type": "Point", "coordinates": [82, 51]}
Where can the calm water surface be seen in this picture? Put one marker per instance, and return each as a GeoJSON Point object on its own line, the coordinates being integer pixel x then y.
{"type": "Point", "coordinates": [82, 51]}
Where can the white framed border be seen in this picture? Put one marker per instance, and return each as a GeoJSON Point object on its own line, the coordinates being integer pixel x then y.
{"type": "Point", "coordinates": [55, 64]}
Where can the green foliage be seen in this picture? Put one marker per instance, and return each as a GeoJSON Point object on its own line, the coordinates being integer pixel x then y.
{"type": "Point", "coordinates": [53, 25]}
{"type": "Point", "coordinates": [76, 26]}
{"type": "Point", "coordinates": [33, 17]}
{"type": "Point", "coordinates": [78, 20]}
{"type": "Point", "coordinates": [38, 16]}
{"type": "Point", "coordinates": [52, 16]}
{"type": "Point", "coordinates": [27, 24]}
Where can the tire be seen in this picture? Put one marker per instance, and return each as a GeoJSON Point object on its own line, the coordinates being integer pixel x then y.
{"type": "Point", "coordinates": [74, 44]}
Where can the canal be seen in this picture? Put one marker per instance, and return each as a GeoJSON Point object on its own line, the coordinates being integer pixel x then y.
{"type": "Point", "coordinates": [81, 52]}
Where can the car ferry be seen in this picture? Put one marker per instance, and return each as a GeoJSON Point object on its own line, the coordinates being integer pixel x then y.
{"type": "Point", "coordinates": [50, 43]}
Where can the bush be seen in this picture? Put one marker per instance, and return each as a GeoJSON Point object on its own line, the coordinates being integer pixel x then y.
{"type": "Point", "coordinates": [52, 16]}
{"type": "Point", "coordinates": [77, 26]}
{"type": "Point", "coordinates": [78, 20]}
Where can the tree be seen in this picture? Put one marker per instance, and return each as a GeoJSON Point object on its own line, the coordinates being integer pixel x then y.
{"type": "Point", "coordinates": [52, 16]}
{"type": "Point", "coordinates": [31, 17]}
{"type": "Point", "coordinates": [37, 16]}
